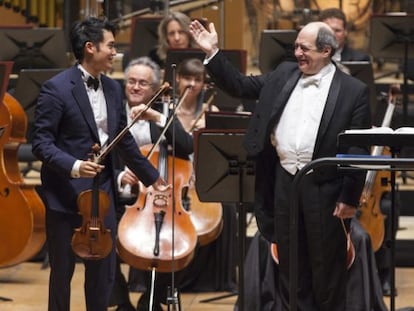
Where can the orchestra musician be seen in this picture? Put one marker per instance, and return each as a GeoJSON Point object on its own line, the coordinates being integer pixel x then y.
{"type": "Point", "coordinates": [76, 109]}
{"type": "Point", "coordinates": [302, 108]}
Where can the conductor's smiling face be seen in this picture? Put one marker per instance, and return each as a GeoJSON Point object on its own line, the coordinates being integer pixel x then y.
{"type": "Point", "coordinates": [310, 59]}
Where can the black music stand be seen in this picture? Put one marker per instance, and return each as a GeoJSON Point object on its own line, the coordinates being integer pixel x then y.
{"type": "Point", "coordinates": [395, 142]}
{"type": "Point", "coordinates": [276, 46]}
{"type": "Point", "coordinates": [362, 70]}
{"type": "Point", "coordinates": [34, 48]}
{"type": "Point", "coordinates": [26, 92]}
{"type": "Point", "coordinates": [225, 173]}
{"type": "Point", "coordinates": [392, 36]}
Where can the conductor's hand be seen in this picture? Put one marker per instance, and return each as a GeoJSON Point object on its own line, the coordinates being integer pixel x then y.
{"type": "Point", "coordinates": [207, 40]}
{"type": "Point", "coordinates": [90, 169]}
{"type": "Point", "coordinates": [343, 210]}
{"type": "Point", "coordinates": [160, 185]}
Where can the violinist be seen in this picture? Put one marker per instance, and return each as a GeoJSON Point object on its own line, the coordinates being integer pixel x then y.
{"type": "Point", "coordinates": [77, 109]}
{"type": "Point", "coordinates": [142, 79]}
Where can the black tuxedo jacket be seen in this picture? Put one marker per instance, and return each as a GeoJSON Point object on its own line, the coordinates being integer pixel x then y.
{"type": "Point", "coordinates": [347, 107]}
{"type": "Point", "coordinates": [65, 130]}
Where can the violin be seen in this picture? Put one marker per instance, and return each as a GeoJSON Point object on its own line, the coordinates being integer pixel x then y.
{"type": "Point", "coordinates": [369, 213]}
{"type": "Point", "coordinates": [22, 213]}
{"type": "Point", "coordinates": [92, 240]}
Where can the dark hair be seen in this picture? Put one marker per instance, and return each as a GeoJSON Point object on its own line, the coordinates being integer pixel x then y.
{"type": "Point", "coordinates": [195, 68]}
{"type": "Point", "coordinates": [88, 30]}
{"type": "Point", "coordinates": [326, 38]}
{"type": "Point", "coordinates": [333, 13]}
{"type": "Point", "coordinates": [191, 67]}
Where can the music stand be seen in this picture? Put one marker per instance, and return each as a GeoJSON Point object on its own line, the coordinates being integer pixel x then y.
{"type": "Point", "coordinates": [227, 120]}
{"type": "Point", "coordinates": [225, 173]}
{"type": "Point", "coordinates": [26, 92]}
{"type": "Point", "coordinates": [276, 46]}
{"type": "Point", "coordinates": [34, 48]}
{"type": "Point", "coordinates": [392, 37]}
{"type": "Point", "coordinates": [144, 29]}
{"type": "Point", "coordinates": [363, 71]}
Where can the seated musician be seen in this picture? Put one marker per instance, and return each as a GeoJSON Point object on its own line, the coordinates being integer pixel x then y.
{"type": "Point", "coordinates": [142, 79]}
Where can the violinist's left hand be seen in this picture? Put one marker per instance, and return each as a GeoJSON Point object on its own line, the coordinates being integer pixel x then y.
{"type": "Point", "coordinates": [343, 210]}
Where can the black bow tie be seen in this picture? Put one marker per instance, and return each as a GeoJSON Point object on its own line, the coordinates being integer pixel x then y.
{"type": "Point", "coordinates": [93, 82]}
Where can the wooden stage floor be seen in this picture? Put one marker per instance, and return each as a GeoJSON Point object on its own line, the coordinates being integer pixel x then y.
{"type": "Point", "coordinates": [26, 285]}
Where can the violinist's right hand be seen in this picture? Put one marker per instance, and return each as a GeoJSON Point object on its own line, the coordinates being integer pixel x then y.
{"type": "Point", "coordinates": [89, 169]}
{"type": "Point", "coordinates": [150, 114]}
{"type": "Point", "coordinates": [161, 185]}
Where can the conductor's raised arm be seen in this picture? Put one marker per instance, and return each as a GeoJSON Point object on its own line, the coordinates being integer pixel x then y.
{"type": "Point", "coordinates": [206, 39]}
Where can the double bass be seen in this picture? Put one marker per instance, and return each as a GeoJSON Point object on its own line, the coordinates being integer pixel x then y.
{"type": "Point", "coordinates": [22, 213]}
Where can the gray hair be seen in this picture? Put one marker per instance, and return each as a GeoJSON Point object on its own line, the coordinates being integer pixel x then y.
{"type": "Point", "coordinates": [326, 38]}
{"type": "Point", "coordinates": [146, 61]}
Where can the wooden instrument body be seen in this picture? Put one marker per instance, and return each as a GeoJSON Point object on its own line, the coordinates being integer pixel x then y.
{"type": "Point", "coordinates": [370, 215]}
{"type": "Point", "coordinates": [206, 217]}
{"type": "Point", "coordinates": [137, 237]}
{"type": "Point", "coordinates": [22, 213]}
{"type": "Point", "coordinates": [92, 241]}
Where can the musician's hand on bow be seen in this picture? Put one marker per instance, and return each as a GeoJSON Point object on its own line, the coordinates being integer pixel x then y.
{"type": "Point", "coordinates": [343, 210]}
{"type": "Point", "coordinates": [128, 178]}
{"type": "Point", "coordinates": [89, 169]}
{"type": "Point", "coordinates": [145, 113]}
{"type": "Point", "coordinates": [206, 40]}
{"type": "Point", "coordinates": [161, 185]}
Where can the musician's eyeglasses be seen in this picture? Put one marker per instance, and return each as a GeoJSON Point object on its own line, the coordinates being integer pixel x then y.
{"type": "Point", "coordinates": [141, 83]}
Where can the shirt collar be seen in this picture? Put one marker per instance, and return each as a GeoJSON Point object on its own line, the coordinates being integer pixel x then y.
{"type": "Point", "coordinates": [316, 79]}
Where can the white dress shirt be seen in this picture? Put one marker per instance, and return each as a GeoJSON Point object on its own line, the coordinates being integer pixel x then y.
{"type": "Point", "coordinates": [295, 135]}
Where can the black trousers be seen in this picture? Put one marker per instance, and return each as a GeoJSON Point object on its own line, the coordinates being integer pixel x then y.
{"type": "Point", "coordinates": [99, 274]}
{"type": "Point", "coordinates": [321, 240]}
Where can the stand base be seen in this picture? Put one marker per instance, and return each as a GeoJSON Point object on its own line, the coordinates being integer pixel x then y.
{"type": "Point", "coordinates": [5, 299]}
{"type": "Point", "coordinates": [219, 297]}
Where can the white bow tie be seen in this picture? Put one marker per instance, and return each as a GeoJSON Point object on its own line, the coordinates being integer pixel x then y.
{"type": "Point", "coordinates": [312, 80]}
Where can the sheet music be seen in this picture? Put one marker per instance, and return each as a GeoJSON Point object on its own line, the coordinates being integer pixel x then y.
{"type": "Point", "coordinates": [382, 130]}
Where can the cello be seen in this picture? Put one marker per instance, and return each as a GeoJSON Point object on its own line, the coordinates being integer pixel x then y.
{"type": "Point", "coordinates": [207, 217]}
{"type": "Point", "coordinates": [147, 228]}
{"type": "Point", "coordinates": [369, 214]}
{"type": "Point", "coordinates": [22, 213]}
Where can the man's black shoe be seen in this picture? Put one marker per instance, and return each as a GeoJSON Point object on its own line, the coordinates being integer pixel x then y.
{"type": "Point", "coordinates": [386, 289]}
{"type": "Point", "coordinates": [143, 304]}
{"type": "Point", "coordinates": [125, 307]}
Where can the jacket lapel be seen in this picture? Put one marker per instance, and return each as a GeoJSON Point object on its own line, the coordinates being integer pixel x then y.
{"type": "Point", "coordinates": [109, 94]}
{"type": "Point", "coordinates": [81, 98]}
{"type": "Point", "coordinates": [331, 102]}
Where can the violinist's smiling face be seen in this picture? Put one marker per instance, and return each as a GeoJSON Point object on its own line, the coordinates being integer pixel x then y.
{"type": "Point", "coordinates": [139, 85]}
